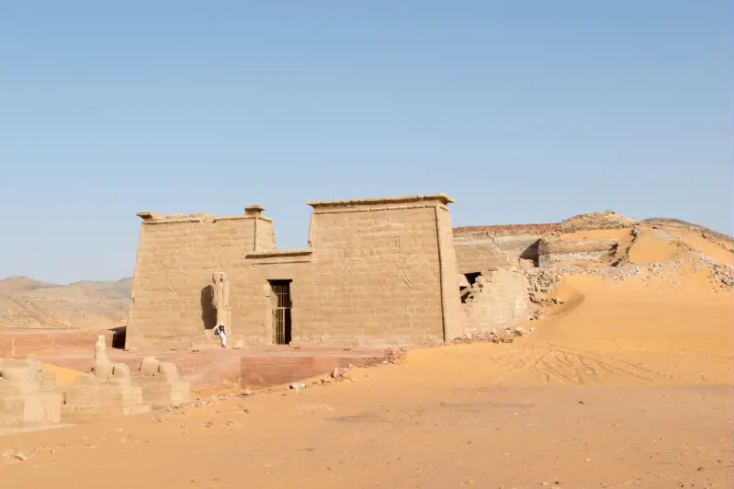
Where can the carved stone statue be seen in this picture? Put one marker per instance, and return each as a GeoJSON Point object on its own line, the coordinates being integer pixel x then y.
{"type": "Point", "coordinates": [100, 350]}
{"type": "Point", "coordinates": [103, 367]}
{"type": "Point", "coordinates": [220, 298]}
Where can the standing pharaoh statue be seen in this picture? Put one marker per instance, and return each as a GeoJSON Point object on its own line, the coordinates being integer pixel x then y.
{"type": "Point", "coordinates": [220, 301]}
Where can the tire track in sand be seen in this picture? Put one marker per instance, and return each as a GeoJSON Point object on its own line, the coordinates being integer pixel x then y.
{"type": "Point", "coordinates": [555, 364]}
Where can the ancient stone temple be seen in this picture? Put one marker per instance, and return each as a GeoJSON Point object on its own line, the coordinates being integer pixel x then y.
{"type": "Point", "coordinates": [376, 272]}
{"type": "Point", "coordinates": [29, 396]}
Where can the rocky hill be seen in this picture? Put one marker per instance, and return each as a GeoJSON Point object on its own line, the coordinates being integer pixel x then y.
{"type": "Point", "coordinates": [27, 304]}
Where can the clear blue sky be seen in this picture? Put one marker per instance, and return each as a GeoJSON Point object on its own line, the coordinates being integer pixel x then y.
{"type": "Point", "coordinates": [522, 110]}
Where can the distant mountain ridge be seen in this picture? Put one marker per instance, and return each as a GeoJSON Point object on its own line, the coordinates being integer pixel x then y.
{"type": "Point", "coordinates": [28, 304]}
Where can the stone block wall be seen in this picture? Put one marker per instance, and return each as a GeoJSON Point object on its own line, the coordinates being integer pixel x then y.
{"type": "Point", "coordinates": [251, 291]}
{"type": "Point", "coordinates": [454, 319]}
{"type": "Point", "coordinates": [502, 301]}
{"type": "Point", "coordinates": [29, 396]}
{"type": "Point", "coordinates": [481, 256]}
{"type": "Point", "coordinates": [160, 383]}
{"type": "Point", "coordinates": [517, 241]}
{"type": "Point", "coordinates": [378, 271]}
{"type": "Point", "coordinates": [563, 253]}
{"type": "Point", "coordinates": [177, 255]}
{"type": "Point", "coordinates": [499, 298]}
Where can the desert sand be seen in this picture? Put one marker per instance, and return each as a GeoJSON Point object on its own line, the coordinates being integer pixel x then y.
{"type": "Point", "coordinates": [625, 384]}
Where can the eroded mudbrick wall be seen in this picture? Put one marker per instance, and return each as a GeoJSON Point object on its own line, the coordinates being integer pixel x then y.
{"type": "Point", "coordinates": [378, 271]}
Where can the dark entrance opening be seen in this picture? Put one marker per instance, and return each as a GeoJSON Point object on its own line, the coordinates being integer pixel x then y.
{"type": "Point", "coordinates": [118, 337]}
{"type": "Point", "coordinates": [208, 311]}
{"type": "Point", "coordinates": [472, 277]}
{"type": "Point", "coordinates": [280, 298]}
{"type": "Point", "coordinates": [465, 292]}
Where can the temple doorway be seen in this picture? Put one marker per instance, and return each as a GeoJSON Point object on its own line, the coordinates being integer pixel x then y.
{"type": "Point", "coordinates": [280, 297]}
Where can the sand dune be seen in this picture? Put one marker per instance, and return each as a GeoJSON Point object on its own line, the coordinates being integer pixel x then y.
{"type": "Point", "coordinates": [635, 332]}
{"type": "Point", "coordinates": [64, 376]}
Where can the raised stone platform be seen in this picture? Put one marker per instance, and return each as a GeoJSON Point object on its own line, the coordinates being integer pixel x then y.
{"type": "Point", "coordinates": [207, 370]}
{"type": "Point", "coordinates": [29, 396]}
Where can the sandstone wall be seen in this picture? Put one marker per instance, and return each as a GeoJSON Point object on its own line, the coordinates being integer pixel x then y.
{"type": "Point", "coordinates": [28, 395]}
{"type": "Point", "coordinates": [176, 259]}
{"type": "Point", "coordinates": [251, 291]}
{"type": "Point", "coordinates": [498, 299]}
{"type": "Point", "coordinates": [454, 319]}
{"type": "Point", "coordinates": [517, 241]}
{"type": "Point", "coordinates": [501, 302]}
{"type": "Point", "coordinates": [379, 271]}
{"type": "Point", "coordinates": [553, 252]}
{"type": "Point", "coordinates": [481, 256]}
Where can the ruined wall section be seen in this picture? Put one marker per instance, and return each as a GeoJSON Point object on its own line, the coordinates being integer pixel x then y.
{"type": "Point", "coordinates": [499, 298]}
{"type": "Point", "coordinates": [500, 302]}
{"type": "Point", "coordinates": [177, 256]}
{"type": "Point", "coordinates": [480, 256]}
{"type": "Point", "coordinates": [376, 273]}
{"type": "Point", "coordinates": [564, 253]}
{"type": "Point", "coordinates": [518, 241]}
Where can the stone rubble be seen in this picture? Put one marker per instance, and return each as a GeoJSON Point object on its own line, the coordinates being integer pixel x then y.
{"type": "Point", "coordinates": [393, 355]}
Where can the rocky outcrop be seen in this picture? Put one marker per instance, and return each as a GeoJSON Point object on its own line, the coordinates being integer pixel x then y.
{"type": "Point", "coordinates": [595, 220]}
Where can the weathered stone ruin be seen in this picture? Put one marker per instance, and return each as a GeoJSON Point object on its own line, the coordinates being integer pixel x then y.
{"type": "Point", "coordinates": [161, 384]}
{"type": "Point", "coordinates": [555, 252]}
{"type": "Point", "coordinates": [29, 395]}
{"type": "Point", "coordinates": [377, 272]}
{"type": "Point", "coordinates": [107, 390]}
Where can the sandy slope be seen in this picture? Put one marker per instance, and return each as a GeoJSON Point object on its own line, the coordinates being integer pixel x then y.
{"type": "Point", "coordinates": [64, 376]}
{"type": "Point", "coordinates": [642, 331]}
{"type": "Point", "coordinates": [717, 249]}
